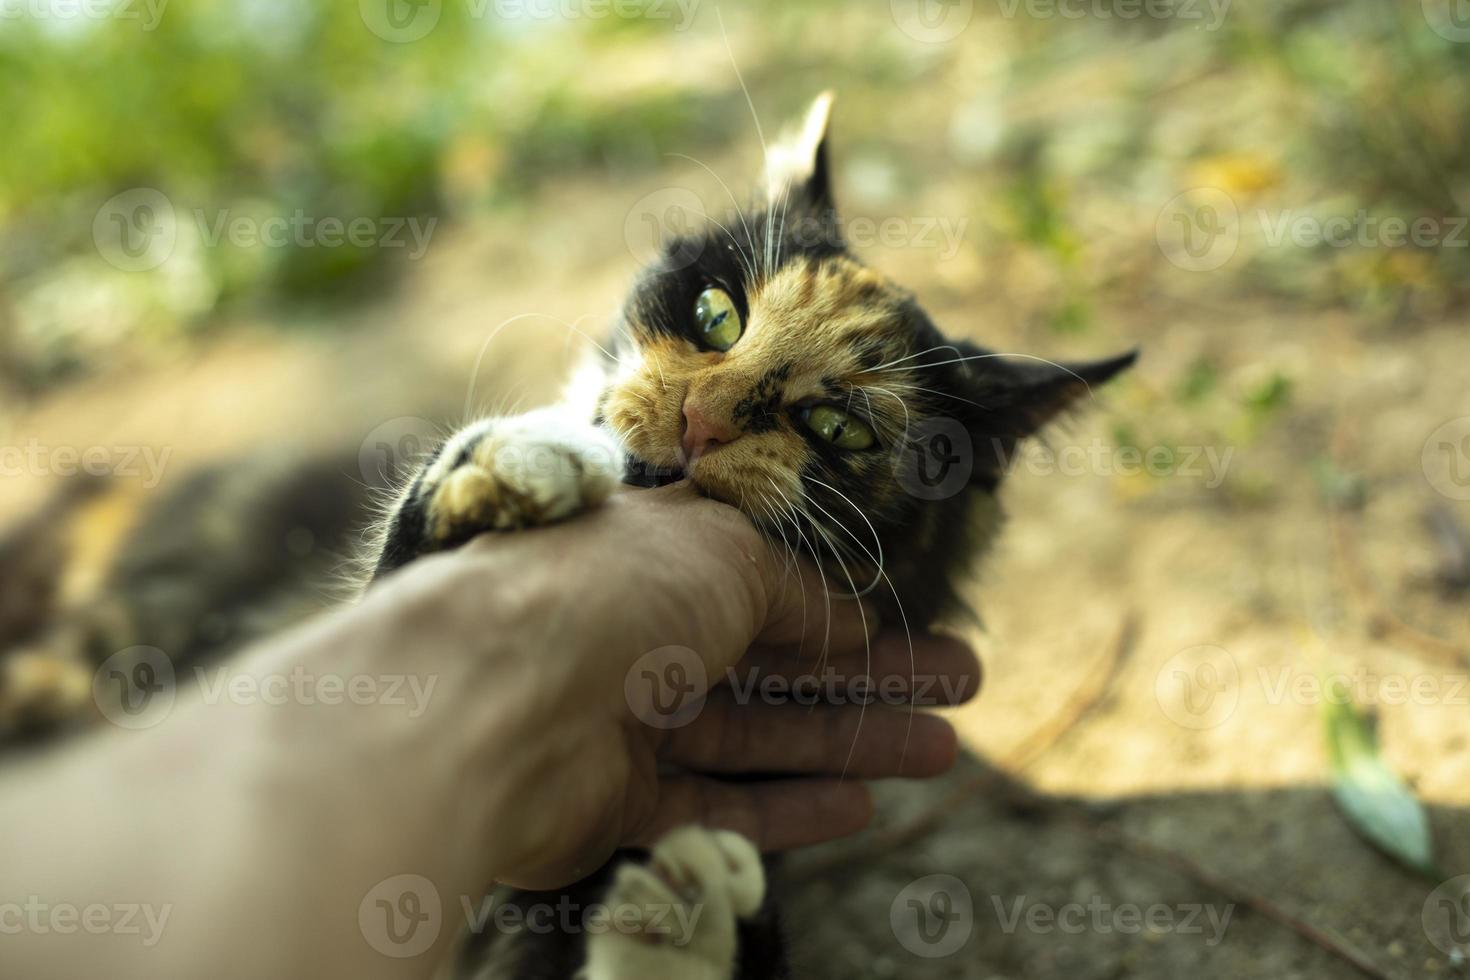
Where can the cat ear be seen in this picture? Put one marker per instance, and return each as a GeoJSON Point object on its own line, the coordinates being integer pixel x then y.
{"type": "Point", "coordinates": [1018, 396]}
{"type": "Point", "coordinates": [797, 162]}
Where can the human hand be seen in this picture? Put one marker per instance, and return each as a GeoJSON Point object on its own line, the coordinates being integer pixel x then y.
{"type": "Point", "coordinates": [525, 758]}
{"type": "Point", "coordinates": [665, 581]}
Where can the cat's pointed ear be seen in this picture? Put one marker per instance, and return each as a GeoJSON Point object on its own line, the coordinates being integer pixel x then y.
{"type": "Point", "coordinates": [797, 162]}
{"type": "Point", "coordinates": [1018, 396]}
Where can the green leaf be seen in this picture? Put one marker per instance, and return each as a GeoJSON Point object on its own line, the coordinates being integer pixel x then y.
{"type": "Point", "coordinates": [1371, 796]}
{"type": "Point", "coordinates": [1339, 487]}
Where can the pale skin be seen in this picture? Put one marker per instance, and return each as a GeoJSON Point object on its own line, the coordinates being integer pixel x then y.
{"type": "Point", "coordinates": [254, 830]}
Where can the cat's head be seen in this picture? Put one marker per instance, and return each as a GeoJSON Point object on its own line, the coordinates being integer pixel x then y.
{"type": "Point", "coordinates": [764, 362]}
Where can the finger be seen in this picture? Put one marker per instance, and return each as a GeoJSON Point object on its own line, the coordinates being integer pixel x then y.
{"type": "Point", "coordinates": [867, 743]}
{"type": "Point", "coordinates": [776, 815]}
{"type": "Point", "coordinates": [931, 671]}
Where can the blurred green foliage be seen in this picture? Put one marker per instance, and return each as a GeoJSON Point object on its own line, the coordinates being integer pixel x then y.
{"type": "Point", "coordinates": [270, 109]}
{"type": "Point", "coordinates": [1067, 135]}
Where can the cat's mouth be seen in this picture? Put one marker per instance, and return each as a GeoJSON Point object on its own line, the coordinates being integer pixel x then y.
{"type": "Point", "coordinates": [644, 474]}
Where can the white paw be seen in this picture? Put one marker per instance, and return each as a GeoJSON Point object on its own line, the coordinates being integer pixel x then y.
{"type": "Point", "coordinates": [675, 918]}
{"type": "Point", "coordinates": [522, 471]}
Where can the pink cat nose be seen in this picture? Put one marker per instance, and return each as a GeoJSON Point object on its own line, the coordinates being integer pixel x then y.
{"type": "Point", "coordinates": [701, 433]}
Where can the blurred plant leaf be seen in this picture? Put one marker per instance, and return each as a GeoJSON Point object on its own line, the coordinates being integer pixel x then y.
{"type": "Point", "coordinates": [1071, 317]}
{"type": "Point", "coordinates": [1200, 380]}
{"type": "Point", "coordinates": [1339, 487]}
{"type": "Point", "coordinates": [1371, 796]}
{"type": "Point", "coordinates": [1270, 396]}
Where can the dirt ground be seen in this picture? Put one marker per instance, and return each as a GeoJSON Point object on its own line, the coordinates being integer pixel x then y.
{"type": "Point", "coordinates": [1190, 799]}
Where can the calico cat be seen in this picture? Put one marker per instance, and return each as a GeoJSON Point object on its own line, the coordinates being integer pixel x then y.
{"type": "Point", "coordinates": [764, 363]}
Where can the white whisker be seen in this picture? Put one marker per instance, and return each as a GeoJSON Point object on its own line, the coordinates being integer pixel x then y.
{"type": "Point", "coordinates": [986, 357]}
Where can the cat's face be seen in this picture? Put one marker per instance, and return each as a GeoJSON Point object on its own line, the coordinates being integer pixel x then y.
{"type": "Point", "coordinates": [762, 361]}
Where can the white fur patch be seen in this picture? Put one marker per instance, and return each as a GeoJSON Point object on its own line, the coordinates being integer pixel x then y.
{"type": "Point", "coordinates": [793, 158]}
{"type": "Point", "coordinates": [682, 908]}
{"type": "Point", "coordinates": [523, 470]}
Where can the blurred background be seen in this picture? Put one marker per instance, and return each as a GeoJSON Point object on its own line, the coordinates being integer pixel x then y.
{"type": "Point", "coordinates": [1226, 631]}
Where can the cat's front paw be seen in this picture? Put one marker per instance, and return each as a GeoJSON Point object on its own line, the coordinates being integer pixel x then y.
{"type": "Point", "coordinates": [43, 690]}
{"type": "Point", "coordinates": [674, 918]}
{"type": "Point", "coordinates": [522, 471]}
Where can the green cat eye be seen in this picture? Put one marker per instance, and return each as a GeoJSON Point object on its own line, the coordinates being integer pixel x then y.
{"type": "Point", "coordinates": [841, 429]}
{"type": "Point", "coordinates": [717, 319]}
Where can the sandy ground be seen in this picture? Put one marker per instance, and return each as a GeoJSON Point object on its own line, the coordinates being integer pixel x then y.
{"type": "Point", "coordinates": [1245, 575]}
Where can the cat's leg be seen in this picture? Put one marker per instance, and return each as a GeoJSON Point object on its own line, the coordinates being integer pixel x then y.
{"type": "Point", "coordinates": [500, 474]}
{"type": "Point", "coordinates": [675, 917]}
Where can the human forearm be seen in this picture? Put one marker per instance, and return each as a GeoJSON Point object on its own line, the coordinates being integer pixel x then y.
{"type": "Point", "coordinates": [254, 826]}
